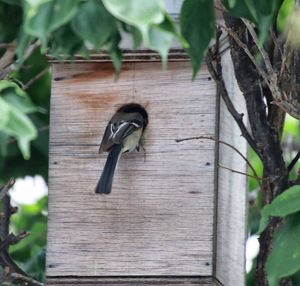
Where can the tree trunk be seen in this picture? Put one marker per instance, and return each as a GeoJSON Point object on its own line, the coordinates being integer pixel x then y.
{"type": "Point", "coordinates": [266, 122]}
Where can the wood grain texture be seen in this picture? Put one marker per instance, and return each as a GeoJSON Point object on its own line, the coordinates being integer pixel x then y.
{"type": "Point", "coordinates": [129, 281]}
{"type": "Point", "coordinates": [129, 55]}
{"type": "Point", "coordinates": [232, 189]}
{"type": "Point", "coordinates": [159, 219]}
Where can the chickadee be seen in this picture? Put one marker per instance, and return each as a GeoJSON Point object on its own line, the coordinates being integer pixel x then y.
{"type": "Point", "coordinates": [122, 134]}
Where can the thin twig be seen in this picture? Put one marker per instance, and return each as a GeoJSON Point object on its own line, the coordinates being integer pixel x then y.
{"type": "Point", "coordinates": [239, 172]}
{"type": "Point", "coordinates": [12, 239]}
{"type": "Point", "coordinates": [7, 57]}
{"type": "Point", "coordinates": [20, 277]}
{"type": "Point", "coordinates": [35, 78]}
{"type": "Point", "coordinates": [7, 45]}
{"type": "Point", "coordinates": [16, 80]}
{"type": "Point", "coordinates": [13, 66]}
{"type": "Point", "coordinates": [6, 239]}
{"type": "Point", "coordinates": [4, 190]}
{"type": "Point", "coordinates": [3, 73]}
{"type": "Point", "coordinates": [262, 51]}
{"type": "Point", "coordinates": [284, 58]}
{"type": "Point", "coordinates": [282, 54]}
{"type": "Point", "coordinates": [41, 129]}
{"type": "Point", "coordinates": [231, 108]}
{"type": "Point", "coordinates": [31, 49]}
{"type": "Point", "coordinates": [227, 144]}
{"type": "Point", "coordinates": [273, 86]}
{"type": "Point", "coordinates": [293, 162]}
{"type": "Point", "coordinates": [275, 40]}
{"type": "Point", "coordinates": [8, 263]}
{"type": "Point", "coordinates": [6, 208]}
{"type": "Point", "coordinates": [247, 51]}
{"type": "Point", "coordinates": [271, 81]}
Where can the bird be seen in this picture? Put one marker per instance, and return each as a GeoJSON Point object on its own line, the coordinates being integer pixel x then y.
{"type": "Point", "coordinates": [122, 134]}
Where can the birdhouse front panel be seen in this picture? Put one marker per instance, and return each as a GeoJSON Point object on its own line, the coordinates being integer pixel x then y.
{"type": "Point", "coordinates": [159, 218]}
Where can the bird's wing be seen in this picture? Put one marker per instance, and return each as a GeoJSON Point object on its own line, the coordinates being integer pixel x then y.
{"type": "Point", "coordinates": [125, 129]}
{"type": "Point", "coordinates": [106, 144]}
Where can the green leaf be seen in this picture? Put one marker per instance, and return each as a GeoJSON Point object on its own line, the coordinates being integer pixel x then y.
{"type": "Point", "coordinates": [43, 17]}
{"type": "Point", "coordinates": [4, 114]}
{"type": "Point", "coordinates": [232, 3]}
{"type": "Point", "coordinates": [10, 21]}
{"type": "Point", "coordinates": [87, 26]}
{"type": "Point", "coordinates": [20, 127]}
{"type": "Point", "coordinates": [65, 43]}
{"type": "Point", "coordinates": [266, 12]}
{"type": "Point", "coordinates": [116, 57]}
{"type": "Point", "coordinates": [239, 9]}
{"type": "Point", "coordinates": [115, 52]}
{"type": "Point", "coordinates": [261, 13]}
{"type": "Point", "coordinates": [169, 26]}
{"type": "Point", "coordinates": [17, 97]}
{"type": "Point", "coordinates": [23, 41]}
{"type": "Point", "coordinates": [296, 278]}
{"type": "Point", "coordinates": [161, 41]}
{"type": "Point", "coordinates": [3, 143]}
{"type": "Point", "coordinates": [14, 104]}
{"type": "Point", "coordinates": [284, 260]}
{"type": "Point", "coordinates": [8, 84]}
{"type": "Point", "coordinates": [136, 36]}
{"type": "Point", "coordinates": [23, 103]}
{"type": "Point", "coordinates": [139, 13]}
{"type": "Point", "coordinates": [285, 11]}
{"type": "Point", "coordinates": [264, 220]}
{"type": "Point", "coordinates": [285, 204]}
{"type": "Point", "coordinates": [197, 21]}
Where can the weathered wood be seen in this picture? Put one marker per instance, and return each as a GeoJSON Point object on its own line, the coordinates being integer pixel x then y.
{"type": "Point", "coordinates": [129, 55]}
{"type": "Point", "coordinates": [159, 219]}
{"type": "Point", "coordinates": [232, 195]}
{"type": "Point", "coordinates": [129, 281]}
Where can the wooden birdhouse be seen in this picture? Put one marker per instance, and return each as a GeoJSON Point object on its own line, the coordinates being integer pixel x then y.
{"type": "Point", "coordinates": [173, 217]}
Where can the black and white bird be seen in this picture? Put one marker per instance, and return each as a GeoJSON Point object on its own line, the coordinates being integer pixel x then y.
{"type": "Point", "coordinates": [122, 134]}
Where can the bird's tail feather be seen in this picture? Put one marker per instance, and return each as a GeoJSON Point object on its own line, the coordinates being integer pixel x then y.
{"type": "Point", "coordinates": [105, 182]}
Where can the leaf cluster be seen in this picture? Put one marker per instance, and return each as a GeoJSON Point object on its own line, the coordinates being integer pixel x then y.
{"type": "Point", "coordinates": [70, 27]}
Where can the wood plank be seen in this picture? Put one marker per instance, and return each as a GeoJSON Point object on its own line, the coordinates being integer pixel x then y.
{"type": "Point", "coordinates": [232, 193]}
{"type": "Point", "coordinates": [129, 281]}
{"type": "Point", "coordinates": [159, 219]}
{"type": "Point", "coordinates": [141, 55]}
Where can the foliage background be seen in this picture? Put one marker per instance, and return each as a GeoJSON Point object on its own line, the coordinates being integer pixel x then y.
{"type": "Point", "coordinates": [30, 252]}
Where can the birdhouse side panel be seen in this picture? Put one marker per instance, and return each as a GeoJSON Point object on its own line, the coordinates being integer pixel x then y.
{"type": "Point", "coordinates": [159, 218]}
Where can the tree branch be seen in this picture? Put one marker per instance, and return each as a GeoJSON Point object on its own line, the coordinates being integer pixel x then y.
{"type": "Point", "coordinates": [8, 56]}
{"type": "Point", "coordinates": [13, 66]}
{"type": "Point", "coordinates": [230, 146]}
{"type": "Point", "coordinates": [263, 133]}
{"type": "Point", "coordinates": [245, 48]}
{"type": "Point", "coordinates": [239, 172]}
{"type": "Point", "coordinates": [41, 129]}
{"type": "Point", "coordinates": [4, 190]}
{"type": "Point", "coordinates": [259, 46]}
{"type": "Point", "coordinates": [22, 278]}
{"type": "Point", "coordinates": [238, 117]}
{"type": "Point", "coordinates": [14, 272]}
{"type": "Point", "coordinates": [35, 78]}
{"type": "Point", "coordinates": [268, 140]}
{"type": "Point", "coordinates": [12, 239]}
{"type": "Point", "coordinates": [293, 162]}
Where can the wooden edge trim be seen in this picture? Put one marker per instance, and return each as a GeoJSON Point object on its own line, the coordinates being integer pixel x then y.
{"type": "Point", "coordinates": [141, 280]}
{"type": "Point", "coordinates": [128, 56]}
